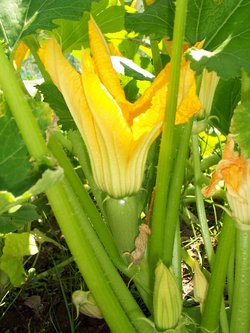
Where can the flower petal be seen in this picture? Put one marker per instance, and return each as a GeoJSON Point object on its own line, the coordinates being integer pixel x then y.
{"type": "Point", "coordinates": [68, 81]}
{"type": "Point", "coordinates": [21, 51]}
{"type": "Point", "coordinates": [188, 102]}
{"type": "Point", "coordinates": [144, 102]}
{"type": "Point", "coordinates": [103, 64]}
{"type": "Point", "coordinates": [114, 133]}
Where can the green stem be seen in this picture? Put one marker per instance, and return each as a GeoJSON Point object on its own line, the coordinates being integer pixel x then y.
{"type": "Point", "coordinates": [210, 317]}
{"type": "Point", "coordinates": [240, 319]}
{"type": "Point", "coordinates": [230, 277]}
{"type": "Point", "coordinates": [173, 205]}
{"type": "Point", "coordinates": [245, 87]}
{"type": "Point", "coordinates": [86, 202]}
{"type": "Point", "coordinates": [80, 150]}
{"type": "Point", "coordinates": [112, 276]}
{"type": "Point", "coordinates": [156, 55]}
{"type": "Point", "coordinates": [21, 110]}
{"type": "Point", "coordinates": [53, 269]}
{"type": "Point", "coordinates": [164, 165]}
{"type": "Point", "coordinates": [63, 207]}
{"type": "Point", "coordinates": [199, 198]}
{"type": "Point", "coordinates": [176, 262]}
{"type": "Point", "coordinates": [34, 46]}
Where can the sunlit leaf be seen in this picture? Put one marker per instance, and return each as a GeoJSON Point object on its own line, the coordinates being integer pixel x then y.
{"type": "Point", "coordinates": [73, 35]}
{"type": "Point", "coordinates": [240, 127]}
{"type": "Point", "coordinates": [223, 25]}
{"type": "Point", "coordinates": [20, 18]}
{"type": "Point", "coordinates": [156, 19]}
{"type": "Point", "coordinates": [16, 246]}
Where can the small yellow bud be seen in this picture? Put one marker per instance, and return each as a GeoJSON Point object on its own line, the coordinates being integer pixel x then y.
{"type": "Point", "coordinates": [85, 303]}
{"type": "Point", "coordinates": [200, 285]}
{"type": "Point", "coordinates": [209, 84]}
{"type": "Point", "coordinates": [166, 299]}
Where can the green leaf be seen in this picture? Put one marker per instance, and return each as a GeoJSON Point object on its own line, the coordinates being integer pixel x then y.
{"type": "Point", "coordinates": [225, 27]}
{"type": "Point", "coordinates": [55, 99]}
{"type": "Point", "coordinates": [16, 171]}
{"type": "Point", "coordinates": [49, 178]}
{"type": "Point", "coordinates": [74, 35]}
{"type": "Point", "coordinates": [129, 68]}
{"type": "Point", "coordinates": [156, 19]}
{"type": "Point", "coordinates": [131, 90]}
{"type": "Point", "coordinates": [225, 100]}
{"type": "Point", "coordinates": [240, 127]}
{"type": "Point", "coordinates": [20, 18]}
{"type": "Point", "coordinates": [110, 19]}
{"type": "Point", "coordinates": [13, 267]}
{"type": "Point", "coordinates": [41, 238]}
{"type": "Point", "coordinates": [10, 222]}
{"type": "Point", "coordinates": [16, 246]}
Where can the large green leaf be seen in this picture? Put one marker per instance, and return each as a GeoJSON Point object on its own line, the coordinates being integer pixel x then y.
{"type": "Point", "coordinates": [240, 127]}
{"type": "Point", "coordinates": [49, 178]}
{"type": "Point", "coordinates": [12, 221]}
{"type": "Point", "coordinates": [74, 35]}
{"type": "Point", "coordinates": [156, 19]}
{"type": "Point", "coordinates": [225, 27]}
{"type": "Point", "coordinates": [20, 18]}
{"type": "Point", "coordinates": [17, 173]}
{"type": "Point", "coordinates": [225, 100]}
{"type": "Point", "coordinates": [16, 246]}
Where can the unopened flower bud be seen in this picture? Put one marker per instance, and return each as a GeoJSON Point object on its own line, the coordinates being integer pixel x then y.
{"type": "Point", "coordinates": [166, 299]}
{"type": "Point", "coordinates": [85, 303]}
{"type": "Point", "coordinates": [200, 285]}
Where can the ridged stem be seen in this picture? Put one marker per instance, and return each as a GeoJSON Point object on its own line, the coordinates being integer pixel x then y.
{"type": "Point", "coordinates": [211, 313]}
{"type": "Point", "coordinates": [240, 319]}
{"type": "Point", "coordinates": [156, 244]}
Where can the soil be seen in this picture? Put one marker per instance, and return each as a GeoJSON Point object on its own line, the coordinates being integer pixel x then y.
{"type": "Point", "coordinates": [44, 305]}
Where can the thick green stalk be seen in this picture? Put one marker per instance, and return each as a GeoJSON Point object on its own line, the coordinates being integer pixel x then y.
{"type": "Point", "coordinates": [173, 205]}
{"type": "Point", "coordinates": [86, 202]}
{"type": "Point", "coordinates": [240, 319]}
{"type": "Point", "coordinates": [156, 245]}
{"type": "Point", "coordinates": [199, 198]}
{"type": "Point", "coordinates": [63, 207]}
{"type": "Point", "coordinates": [113, 278]}
{"type": "Point", "coordinates": [20, 108]}
{"type": "Point", "coordinates": [210, 317]}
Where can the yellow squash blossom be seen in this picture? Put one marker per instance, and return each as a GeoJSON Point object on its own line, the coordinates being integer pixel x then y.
{"type": "Point", "coordinates": [234, 169]}
{"type": "Point", "coordinates": [117, 133]}
{"type": "Point", "coordinates": [21, 52]}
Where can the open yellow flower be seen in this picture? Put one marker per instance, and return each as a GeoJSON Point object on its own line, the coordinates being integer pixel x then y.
{"type": "Point", "coordinates": [234, 169]}
{"type": "Point", "coordinates": [117, 133]}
